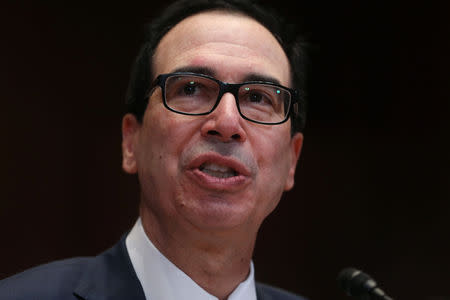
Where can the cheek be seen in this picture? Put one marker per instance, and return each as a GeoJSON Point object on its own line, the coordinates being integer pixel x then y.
{"type": "Point", "coordinates": [166, 136]}
{"type": "Point", "coordinates": [163, 137]}
{"type": "Point", "coordinates": [273, 156]}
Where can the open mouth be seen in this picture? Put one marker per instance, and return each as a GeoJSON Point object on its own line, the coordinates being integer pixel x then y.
{"type": "Point", "coordinates": [217, 170]}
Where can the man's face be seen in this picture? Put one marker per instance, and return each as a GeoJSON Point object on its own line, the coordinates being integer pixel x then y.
{"type": "Point", "coordinates": [219, 171]}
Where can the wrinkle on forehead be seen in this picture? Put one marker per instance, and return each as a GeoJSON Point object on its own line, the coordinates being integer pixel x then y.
{"type": "Point", "coordinates": [219, 33]}
{"type": "Point", "coordinates": [230, 66]}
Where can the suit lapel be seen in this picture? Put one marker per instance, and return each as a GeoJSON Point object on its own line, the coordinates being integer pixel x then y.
{"type": "Point", "coordinates": [110, 276]}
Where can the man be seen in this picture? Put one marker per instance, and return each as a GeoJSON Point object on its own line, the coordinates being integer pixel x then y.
{"type": "Point", "coordinates": [212, 133]}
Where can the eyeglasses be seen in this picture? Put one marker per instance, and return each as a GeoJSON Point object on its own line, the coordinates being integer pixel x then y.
{"type": "Point", "coordinates": [195, 94]}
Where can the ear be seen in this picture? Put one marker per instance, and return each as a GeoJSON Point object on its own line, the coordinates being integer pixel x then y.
{"type": "Point", "coordinates": [296, 149]}
{"type": "Point", "coordinates": [130, 129]}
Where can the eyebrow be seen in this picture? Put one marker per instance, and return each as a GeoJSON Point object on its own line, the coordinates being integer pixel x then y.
{"type": "Point", "coordinates": [260, 77]}
{"type": "Point", "coordinates": [198, 70]}
{"type": "Point", "coordinates": [210, 72]}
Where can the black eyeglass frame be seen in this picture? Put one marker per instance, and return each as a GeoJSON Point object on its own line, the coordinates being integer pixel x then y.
{"type": "Point", "coordinates": [224, 87]}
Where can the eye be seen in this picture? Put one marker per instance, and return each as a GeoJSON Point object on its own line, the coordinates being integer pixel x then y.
{"type": "Point", "coordinates": [258, 97]}
{"type": "Point", "coordinates": [255, 97]}
{"type": "Point", "coordinates": [190, 88]}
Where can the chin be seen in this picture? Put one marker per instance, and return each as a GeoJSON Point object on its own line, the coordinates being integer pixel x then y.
{"type": "Point", "coordinates": [218, 213]}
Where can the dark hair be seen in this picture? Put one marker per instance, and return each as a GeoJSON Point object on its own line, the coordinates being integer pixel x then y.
{"type": "Point", "coordinates": [284, 32]}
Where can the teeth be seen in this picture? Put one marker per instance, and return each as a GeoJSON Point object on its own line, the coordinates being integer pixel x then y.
{"type": "Point", "coordinates": [217, 170]}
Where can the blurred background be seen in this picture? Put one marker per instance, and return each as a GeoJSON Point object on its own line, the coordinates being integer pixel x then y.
{"type": "Point", "coordinates": [372, 187]}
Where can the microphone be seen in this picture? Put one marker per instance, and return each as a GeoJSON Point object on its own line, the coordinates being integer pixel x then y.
{"type": "Point", "coordinates": [362, 286]}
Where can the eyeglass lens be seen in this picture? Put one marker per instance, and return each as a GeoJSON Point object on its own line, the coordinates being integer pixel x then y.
{"type": "Point", "coordinates": [197, 95]}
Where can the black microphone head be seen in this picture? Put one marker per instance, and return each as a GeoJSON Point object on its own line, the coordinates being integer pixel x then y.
{"type": "Point", "coordinates": [356, 283]}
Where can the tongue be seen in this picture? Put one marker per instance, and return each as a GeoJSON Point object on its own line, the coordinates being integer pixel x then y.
{"type": "Point", "coordinates": [218, 174]}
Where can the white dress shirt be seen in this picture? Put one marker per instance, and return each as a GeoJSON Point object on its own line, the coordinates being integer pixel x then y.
{"type": "Point", "coordinates": [162, 280]}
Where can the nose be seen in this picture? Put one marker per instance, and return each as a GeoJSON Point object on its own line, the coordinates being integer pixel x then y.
{"type": "Point", "coordinates": [225, 122]}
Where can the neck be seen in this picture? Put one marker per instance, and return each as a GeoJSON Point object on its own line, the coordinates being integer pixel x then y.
{"type": "Point", "coordinates": [218, 262]}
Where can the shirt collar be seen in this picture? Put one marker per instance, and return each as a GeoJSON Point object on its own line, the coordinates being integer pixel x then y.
{"type": "Point", "coordinates": [162, 280]}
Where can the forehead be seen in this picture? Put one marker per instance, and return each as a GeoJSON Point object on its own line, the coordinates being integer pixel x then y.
{"type": "Point", "coordinates": [231, 44]}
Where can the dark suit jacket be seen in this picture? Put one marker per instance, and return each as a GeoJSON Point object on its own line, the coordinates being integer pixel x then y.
{"type": "Point", "coordinates": [107, 276]}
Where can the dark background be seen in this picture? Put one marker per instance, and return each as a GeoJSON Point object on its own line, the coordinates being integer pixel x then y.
{"type": "Point", "coordinates": [372, 184]}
